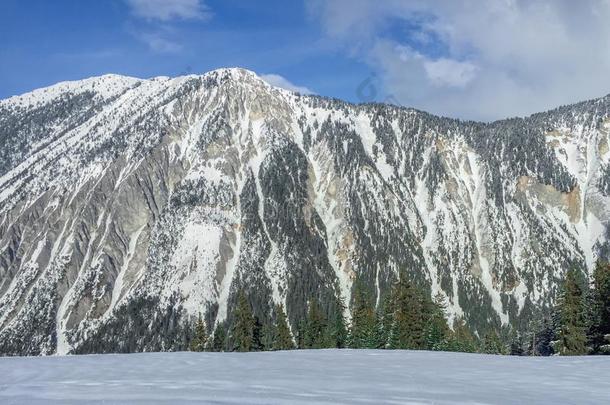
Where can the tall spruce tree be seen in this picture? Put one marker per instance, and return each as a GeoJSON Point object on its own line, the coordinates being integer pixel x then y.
{"type": "Point", "coordinates": [315, 328]}
{"type": "Point", "coordinates": [199, 341]}
{"type": "Point", "coordinates": [283, 337]}
{"type": "Point", "coordinates": [219, 339]}
{"type": "Point", "coordinates": [384, 319]}
{"type": "Point", "coordinates": [409, 318]}
{"type": "Point", "coordinates": [242, 333]}
{"type": "Point", "coordinates": [363, 326]}
{"type": "Point", "coordinates": [258, 336]}
{"type": "Point", "coordinates": [599, 327]}
{"type": "Point", "coordinates": [572, 328]}
{"type": "Point", "coordinates": [336, 331]}
{"type": "Point", "coordinates": [437, 330]}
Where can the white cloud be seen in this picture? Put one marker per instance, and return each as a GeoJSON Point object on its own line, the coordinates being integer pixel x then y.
{"type": "Point", "coordinates": [282, 82]}
{"type": "Point", "coordinates": [499, 57]}
{"type": "Point", "coordinates": [158, 43]}
{"type": "Point", "coordinates": [166, 10]}
{"type": "Point", "coordinates": [448, 72]}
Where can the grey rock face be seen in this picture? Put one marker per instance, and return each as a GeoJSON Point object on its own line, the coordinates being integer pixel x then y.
{"type": "Point", "coordinates": [128, 207]}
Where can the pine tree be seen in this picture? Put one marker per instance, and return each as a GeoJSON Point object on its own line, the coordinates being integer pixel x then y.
{"type": "Point", "coordinates": [409, 323]}
{"type": "Point", "coordinates": [362, 331]}
{"type": "Point", "coordinates": [283, 337]}
{"type": "Point", "coordinates": [198, 343]}
{"type": "Point", "coordinates": [516, 344]}
{"type": "Point", "coordinates": [492, 344]}
{"type": "Point", "coordinates": [437, 330]}
{"type": "Point", "coordinates": [540, 338]}
{"type": "Point", "coordinates": [461, 340]}
{"type": "Point", "coordinates": [268, 338]}
{"type": "Point", "coordinates": [301, 332]}
{"type": "Point", "coordinates": [599, 328]}
{"type": "Point", "coordinates": [384, 319]}
{"type": "Point", "coordinates": [314, 336]}
{"type": "Point", "coordinates": [572, 322]}
{"type": "Point", "coordinates": [242, 333]}
{"type": "Point", "coordinates": [336, 331]}
{"type": "Point", "coordinates": [219, 338]}
{"type": "Point", "coordinates": [258, 339]}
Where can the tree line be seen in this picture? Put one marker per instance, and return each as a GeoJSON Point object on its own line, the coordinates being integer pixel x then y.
{"type": "Point", "coordinates": [578, 324]}
{"type": "Point", "coordinates": [407, 318]}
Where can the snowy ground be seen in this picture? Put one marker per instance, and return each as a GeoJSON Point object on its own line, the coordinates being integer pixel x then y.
{"type": "Point", "coordinates": [323, 376]}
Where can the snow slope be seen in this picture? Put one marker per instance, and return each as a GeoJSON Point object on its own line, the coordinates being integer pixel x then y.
{"type": "Point", "coordinates": [303, 377]}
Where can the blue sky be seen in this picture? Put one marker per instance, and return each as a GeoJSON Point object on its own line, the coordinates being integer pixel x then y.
{"type": "Point", "coordinates": [468, 59]}
{"type": "Point", "coordinates": [44, 42]}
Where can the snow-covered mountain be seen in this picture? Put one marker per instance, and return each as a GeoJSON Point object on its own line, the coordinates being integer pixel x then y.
{"type": "Point", "coordinates": [129, 206]}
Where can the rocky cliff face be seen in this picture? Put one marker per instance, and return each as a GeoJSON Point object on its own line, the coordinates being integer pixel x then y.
{"type": "Point", "coordinates": [129, 206]}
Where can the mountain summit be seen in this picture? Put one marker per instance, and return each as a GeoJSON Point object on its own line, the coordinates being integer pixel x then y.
{"type": "Point", "coordinates": [128, 207]}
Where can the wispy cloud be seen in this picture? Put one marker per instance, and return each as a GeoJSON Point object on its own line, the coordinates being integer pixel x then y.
{"type": "Point", "coordinates": [499, 57]}
{"type": "Point", "coordinates": [160, 18]}
{"type": "Point", "coordinates": [281, 82]}
{"type": "Point", "coordinates": [158, 43]}
{"type": "Point", "coordinates": [167, 10]}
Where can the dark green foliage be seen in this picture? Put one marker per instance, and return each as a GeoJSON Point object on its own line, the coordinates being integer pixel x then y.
{"type": "Point", "coordinates": [219, 339]}
{"type": "Point", "coordinates": [461, 340]}
{"type": "Point", "coordinates": [140, 325]}
{"type": "Point", "coordinates": [336, 331]}
{"type": "Point", "coordinates": [492, 344]}
{"type": "Point", "coordinates": [301, 331]}
{"type": "Point", "coordinates": [362, 334]}
{"type": "Point", "coordinates": [283, 337]}
{"type": "Point", "coordinates": [437, 331]}
{"type": "Point", "coordinates": [540, 338]}
{"type": "Point", "coordinates": [259, 340]}
{"type": "Point", "coordinates": [243, 331]}
{"type": "Point", "coordinates": [315, 335]}
{"type": "Point", "coordinates": [409, 323]}
{"type": "Point", "coordinates": [200, 338]}
{"type": "Point", "coordinates": [571, 328]}
{"type": "Point", "coordinates": [383, 323]}
{"type": "Point", "coordinates": [516, 344]}
{"type": "Point", "coordinates": [599, 305]}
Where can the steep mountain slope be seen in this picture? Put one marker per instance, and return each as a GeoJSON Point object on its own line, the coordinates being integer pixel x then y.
{"type": "Point", "coordinates": [129, 206]}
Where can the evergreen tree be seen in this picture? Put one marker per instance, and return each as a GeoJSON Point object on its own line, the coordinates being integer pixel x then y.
{"type": "Point", "coordinates": [242, 333]}
{"type": "Point", "coordinates": [362, 332]}
{"type": "Point", "coordinates": [198, 343]}
{"type": "Point", "coordinates": [572, 321]}
{"type": "Point", "coordinates": [268, 336]}
{"type": "Point", "coordinates": [384, 319]}
{"type": "Point", "coordinates": [599, 328]}
{"type": "Point", "coordinates": [283, 337]}
{"type": "Point", "coordinates": [516, 344]}
{"type": "Point", "coordinates": [258, 339]}
{"type": "Point", "coordinates": [336, 331]}
{"type": "Point", "coordinates": [219, 338]}
{"type": "Point", "coordinates": [461, 340]}
{"type": "Point", "coordinates": [540, 338]}
{"type": "Point", "coordinates": [315, 328]}
{"type": "Point", "coordinates": [492, 344]}
{"type": "Point", "coordinates": [437, 330]}
{"type": "Point", "coordinates": [301, 332]}
{"type": "Point", "coordinates": [409, 322]}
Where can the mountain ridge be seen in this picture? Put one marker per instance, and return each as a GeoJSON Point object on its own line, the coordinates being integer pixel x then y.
{"type": "Point", "coordinates": [132, 208]}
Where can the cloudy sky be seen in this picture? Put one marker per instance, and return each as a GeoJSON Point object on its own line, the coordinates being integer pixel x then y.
{"type": "Point", "coordinates": [470, 59]}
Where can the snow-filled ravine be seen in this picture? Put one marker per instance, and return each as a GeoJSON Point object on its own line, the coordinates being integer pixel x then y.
{"type": "Point", "coordinates": [308, 376]}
